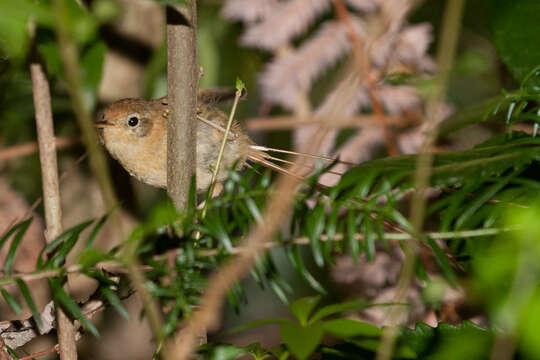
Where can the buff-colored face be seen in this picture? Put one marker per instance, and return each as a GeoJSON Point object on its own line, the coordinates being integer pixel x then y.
{"type": "Point", "coordinates": [131, 119]}
{"type": "Point", "coordinates": [135, 133]}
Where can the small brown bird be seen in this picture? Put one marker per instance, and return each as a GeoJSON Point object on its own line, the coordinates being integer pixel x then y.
{"type": "Point", "coordinates": [134, 131]}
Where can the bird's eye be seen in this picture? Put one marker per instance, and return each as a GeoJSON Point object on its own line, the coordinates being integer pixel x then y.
{"type": "Point", "coordinates": [133, 121]}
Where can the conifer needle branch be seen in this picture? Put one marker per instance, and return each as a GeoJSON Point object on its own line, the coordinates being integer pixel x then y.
{"type": "Point", "coordinates": [445, 59]}
{"type": "Point", "coordinates": [364, 63]}
{"type": "Point", "coordinates": [117, 267]}
{"type": "Point", "coordinates": [208, 315]}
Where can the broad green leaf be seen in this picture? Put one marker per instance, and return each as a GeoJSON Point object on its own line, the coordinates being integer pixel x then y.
{"type": "Point", "coordinates": [345, 328]}
{"type": "Point", "coordinates": [106, 10]}
{"type": "Point", "coordinates": [303, 307]}
{"type": "Point", "coordinates": [92, 67]}
{"type": "Point", "coordinates": [15, 14]}
{"type": "Point", "coordinates": [300, 340]}
{"type": "Point", "coordinates": [50, 53]}
{"type": "Point", "coordinates": [253, 324]}
{"type": "Point", "coordinates": [83, 27]}
{"type": "Point", "coordinates": [515, 27]}
{"type": "Point", "coordinates": [338, 308]}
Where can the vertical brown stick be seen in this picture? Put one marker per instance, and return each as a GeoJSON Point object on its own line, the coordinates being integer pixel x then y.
{"type": "Point", "coordinates": [51, 192]}
{"type": "Point", "coordinates": [183, 78]}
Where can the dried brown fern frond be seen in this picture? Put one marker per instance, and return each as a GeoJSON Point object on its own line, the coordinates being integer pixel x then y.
{"type": "Point", "coordinates": [294, 72]}
{"type": "Point", "coordinates": [382, 40]}
{"type": "Point", "coordinates": [248, 11]}
{"type": "Point", "coordinates": [288, 20]}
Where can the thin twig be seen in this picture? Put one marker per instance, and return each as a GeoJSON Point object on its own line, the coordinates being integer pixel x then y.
{"type": "Point", "coordinates": [364, 62]}
{"type": "Point", "coordinates": [52, 350]}
{"type": "Point", "coordinates": [114, 267]}
{"type": "Point", "coordinates": [398, 236]}
{"type": "Point", "coordinates": [29, 148]}
{"type": "Point", "coordinates": [445, 58]}
{"type": "Point", "coordinates": [290, 122]}
{"type": "Point", "coordinates": [221, 151]}
{"type": "Point", "coordinates": [51, 191]}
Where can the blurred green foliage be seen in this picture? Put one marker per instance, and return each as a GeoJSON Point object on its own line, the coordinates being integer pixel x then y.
{"type": "Point", "coordinates": [514, 27]}
{"type": "Point", "coordinates": [490, 189]}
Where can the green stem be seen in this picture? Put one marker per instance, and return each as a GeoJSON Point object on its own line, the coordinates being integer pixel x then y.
{"type": "Point", "coordinates": [70, 59]}
{"type": "Point", "coordinates": [445, 58]}
{"type": "Point", "coordinates": [219, 158]}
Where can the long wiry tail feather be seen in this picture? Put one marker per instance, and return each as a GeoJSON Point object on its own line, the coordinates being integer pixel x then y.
{"type": "Point", "coordinates": [260, 155]}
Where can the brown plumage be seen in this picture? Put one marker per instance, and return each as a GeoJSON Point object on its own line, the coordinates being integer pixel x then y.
{"type": "Point", "coordinates": [134, 131]}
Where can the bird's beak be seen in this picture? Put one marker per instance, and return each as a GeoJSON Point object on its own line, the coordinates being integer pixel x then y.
{"type": "Point", "coordinates": [103, 124]}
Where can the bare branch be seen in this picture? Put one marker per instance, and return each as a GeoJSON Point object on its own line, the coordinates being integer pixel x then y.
{"type": "Point", "coordinates": [51, 191]}
{"type": "Point", "coordinates": [183, 78]}
{"type": "Point", "coordinates": [17, 151]}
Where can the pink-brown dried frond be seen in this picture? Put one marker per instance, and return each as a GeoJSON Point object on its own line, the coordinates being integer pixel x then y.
{"type": "Point", "coordinates": [296, 71]}
{"type": "Point", "coordinates": [346, 98]}
{"type": "Point", "coordinates": [396, 99]}
{"type": "Point", "coordinates": [412, 46]}
{"type": "Point", "coordinates": [248, 10]}
{"type": "Point", "coordinates": [303, 138]}
{"type": "Point", "coordinates": [394, 12]}
{"type": "Point", "coordinates": [363, 5]}
{"type": "Point", "coordinates": [390, 19]}
{"type": "Point", "coordinates": [288, 20]}
{"type": "Point", "coordinates": [360, 147]}
{"type": "Point", "coordinates": [408, 47]}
